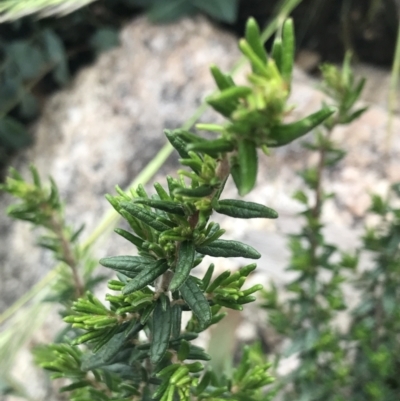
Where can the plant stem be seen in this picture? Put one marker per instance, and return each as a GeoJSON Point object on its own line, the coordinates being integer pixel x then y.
{"type": "Point", "coordinates": [68, 255]}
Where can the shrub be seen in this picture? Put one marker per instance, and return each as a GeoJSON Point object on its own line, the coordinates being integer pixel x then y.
{"type": "Point", "coordinates": [136, 348]}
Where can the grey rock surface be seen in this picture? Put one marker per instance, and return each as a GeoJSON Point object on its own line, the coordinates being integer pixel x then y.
{"type": "Point", "coordinates": [108, 124]}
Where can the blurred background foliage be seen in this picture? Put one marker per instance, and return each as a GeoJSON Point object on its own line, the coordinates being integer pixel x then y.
{"type": "Point", "coordinates": [45, 42]}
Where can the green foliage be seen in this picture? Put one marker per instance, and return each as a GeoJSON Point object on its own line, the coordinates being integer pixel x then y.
{"type": "Point", "coordinates": [376, 319]}
{"type": "Point", "coordinates": [42, 207]}
{"type": "Point", "coordinates": [361, 363]}
{"type": "Point", "coordinates": [136, 346]}
{"type": "Point", "coordinates": [316, 294]}
{"type": "Point", "coordinates": [24, 62]}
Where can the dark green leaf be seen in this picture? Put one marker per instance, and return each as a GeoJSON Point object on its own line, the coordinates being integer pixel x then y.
{"type": "Point", "coordinates": [184, 264]}
{"type": "Point", "coordinates": [244, 210]}
{"type": "Point", "coordinates": [204, 382]}
{"type": "Point", "coordinates": [177, 142]}
{"type": "Point", "coordinates": [183, 350]}
{"type": "Point", "coordinates": [199, 192]}
{"type": "Point", "coordinates": [104, 39]}
{"type": "Point", "coordinates": [176, 316]}
{"type": "Point", "coordinates": [161, 328]}
{"type": "Point", "coordinates": [13, 134]}
{"type": "Point", "coordinates": [284, 134]}
{"type": "Point", "coordinates": [74, 386]}
{"type": "Point", "coordinates": [56, 55]}
{"type": "Point", "coordinates": [196, 300]}
{"type": "Point", "coordinates": [10, 91]}
{"type": "Point", "coordinates": [207, 276]}
{"type": "Point", "coordinates": [223, 10]}
{"type": "Point", "coordinates": [138, 242]}
{"type": "Point", "coordinates": [229, 249]}
{"type": "Point", "coordinates": [148, 217]}
{"type": "Point", "coordinates": [167, 206]}
{"type": "Point", "coordinates": [197, 353]}
{"type": "Point", "coordinates": [146, 277]}
{"type": "Point", "coordinates": [27, 57]}
{"type": "Point", "coordinates": [146, 313]}
{"type": "Point", "coordinates": [128, 265]}
{"type": "Point", "coordinates": [235, 172]}
{"type": "Point", "coordinates": [105, 354]}
{"type": "Point", "coordinates": [28, 106]}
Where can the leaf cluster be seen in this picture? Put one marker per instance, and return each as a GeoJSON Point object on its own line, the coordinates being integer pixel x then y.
{"type": "Point", "coordinates": [41, 206]}
{"type": "Point", "coordinates": [136, 346]}
{"type": "Point", "coordinates": [141, 329]}
{"type": "Point", "coordinates": [361, 362]}
{"type": "Point", "coordinates": [316, 294]}
{"type": "Point", "coordinates": [25, 61]}
{"type": "Point", "coordinates": [376, 319]}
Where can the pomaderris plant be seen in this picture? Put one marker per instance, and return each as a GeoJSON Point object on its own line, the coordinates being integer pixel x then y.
{"type": "Point", "coordinates": [133, 347]}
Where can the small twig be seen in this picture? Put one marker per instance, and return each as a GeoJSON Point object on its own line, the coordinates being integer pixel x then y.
{"type": "Point", "coordinates": [68, 255]}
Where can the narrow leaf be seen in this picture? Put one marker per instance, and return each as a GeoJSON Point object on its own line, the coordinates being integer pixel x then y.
{"type": "Point", "coordinates": [161, 329]}
{"type": "Point", "coordinates": [288, 48]}
{"type": "Point", "coordinates": [248, 165]}
{"type": "Point", "coordinates": [212, 147]}
{"type": "Point", "coordinates": [276, 53]}
{"type": "Point", "coordinates": [105, 354]}
{"type": "Point", "coordinates": [146, 216]}
{"type": "Point", "coordinates": [244, 210]}
{"type": "Point", "coordinates": [167, 206]}
{"type": "Point", "coordinates": [199, 192]}
{"type": "Point", "coordinates": [128, 265]}
{"type": "Point", "coordinates": [232, 94]}
{"type": "Point", "coordinates": [146, 277]}
{"type": "Point", "coordinates": [138, 242]}
{"type": "Point", "coordinates": [176, 317]}
{"type": "Point", "coordinates": [222, 80]}
{"type": "Point", "coordinates": [284, 134]}
{"type": "Point", "coordinates": [184, 264]}
{"type": "Point", "coordinates": [178, 143]}
{"type": "Point", "coordinates": [252, 35]}
{"type": "Point", "coordinates": [196, 300]}
{"type": "Point", "coordinates": [207, 276]}
{"type": "Point", "coordinates": [229, 249]}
